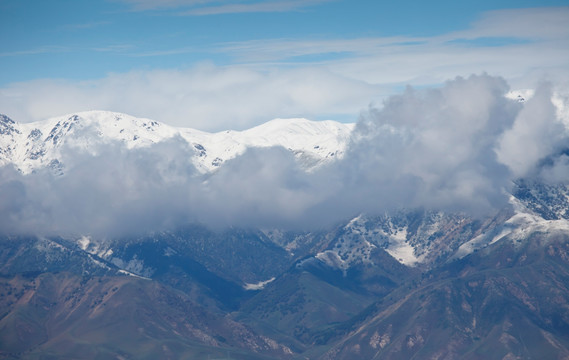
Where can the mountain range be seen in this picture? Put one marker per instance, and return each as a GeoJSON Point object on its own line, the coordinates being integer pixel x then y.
{"type": "Point", "coordinates": [410, 283]}
{"type": "Point", "coordinates": [32, 145]}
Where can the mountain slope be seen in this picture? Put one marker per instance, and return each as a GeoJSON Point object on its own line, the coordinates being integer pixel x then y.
{"type": "Point", "coordinates": [68, 316]}
{"type": "Point", "coordinates": [503, 303]}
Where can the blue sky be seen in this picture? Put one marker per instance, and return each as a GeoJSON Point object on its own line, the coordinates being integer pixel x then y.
{"type": "Point", "coordinates": [233, 64]}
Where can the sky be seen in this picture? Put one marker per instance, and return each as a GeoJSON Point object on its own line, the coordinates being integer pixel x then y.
{"type": "Point", "coordinates": [233, 64]}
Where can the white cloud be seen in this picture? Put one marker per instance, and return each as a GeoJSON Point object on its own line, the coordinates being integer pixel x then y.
{"type": "Point", "coordinates": [204, 97]}
{"type": "Point", "coordinates": [258, 7]}
{"type": "Point", "coordinates": [537, 133]}
{"type": "Point", "coordinates": [275, 78]}
{"type": "Point", "coordinates": [529, 23]}
{"type": "Point", "coordinates": [433, 148]}
{"type": "Point", "coordinates": [215, 7]}
{"type": "Point", "coordinates": [531, 44]}
{"type": "Point", "coordinates": [455, 147]}
{"type": "Point", "coordinates": [160, 4]}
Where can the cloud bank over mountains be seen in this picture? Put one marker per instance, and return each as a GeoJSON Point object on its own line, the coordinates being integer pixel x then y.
{"type": "Point", "coordinates": [456, 148]}
{"type": "Point", "coordinates": [205, 97]}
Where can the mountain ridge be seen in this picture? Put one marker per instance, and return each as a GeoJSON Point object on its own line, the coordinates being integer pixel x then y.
{"type": "Point", "coordinates": [30, 146]}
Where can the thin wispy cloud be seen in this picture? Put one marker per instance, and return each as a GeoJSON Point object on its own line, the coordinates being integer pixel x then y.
{"type": "Point", "coordinates": [514, 43]}
{"type": "Point", "coordinates": [530, 27]}
{"type": "Point", "coordinates": [259, 7]}
{"type": "Point", "coordinates": [332, 78]}
{"type": "Point", "coordinates": [531, 23]}
{"type": "Point", "coordinates": [142, 5]}
{"type": "Point", "coordinates": [284, 49]}
{"type": "Point", "coordinates": [38, 50]}
{"type": "Point", "coordinates": [217, 7]}
{"type": "Point", "coordinates": [81, 26]}
{"type": "Point", "coordinates": [119, 48]}
{"type": "Point", "coordinates": [177, 51]}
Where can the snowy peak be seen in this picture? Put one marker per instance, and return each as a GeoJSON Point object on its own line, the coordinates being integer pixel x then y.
{"type": "Point", "coordinates": [7, 125]}
{"type": "Point", "coordinates": [298, 127]}
{"type": "Point", "coordinates": [316, 137]}
{"type": "Point", "coordinates": [312, 142]}
{"type": "Point", "coordinates": [40, 144]}
{"type": "Point", "coordinates": [9, 131]}
{"type": "Point", "coordinates": [108, 126]}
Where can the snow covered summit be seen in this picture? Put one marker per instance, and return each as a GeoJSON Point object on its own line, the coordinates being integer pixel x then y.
{"type": "Point", "coordinates": [39, 144]}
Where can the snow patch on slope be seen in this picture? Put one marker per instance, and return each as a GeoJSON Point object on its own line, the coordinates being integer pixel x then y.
{"type": "Point", "coordinates": [258, 286]}
{"type": "Point", "coordinates": [516, 229]}
{"type": "Point", "coordinates": [392, 238]}
{"type": "Point", "coordinates": [401, 250]}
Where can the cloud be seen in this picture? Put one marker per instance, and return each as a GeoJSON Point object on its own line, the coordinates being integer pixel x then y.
{"type": "Point", "coordinates": [85, 25]}
{"type": "Point", "coordinates": [264, 187]}
{"type": "Point", "coordinates": [216, 7]}
{"type": "Point", "coordinates": [114, 192]}
{"type": "Point", "coordinates": [536, 134]}
{"type": "Point", "coordinates": [455, 148]}
{"type": "Point", "coordinates": [314, 78]}
{"type": "Point", "coordinates": [533, 25]}
{"type": "Point", "coordinates": [522, 45]}
{"type": "Point", "coordinates": [205, 97]}
{"type": "Point", "coordinates": [35, 51]}
{"type": "Point", "coordinates": [529, 23]}
{"type": "Point", "coordinates": [141, 5]}
{"type": "Point", "coordinates": [431, 148]}
{"type": "Point", "coordinates": [258, 7]}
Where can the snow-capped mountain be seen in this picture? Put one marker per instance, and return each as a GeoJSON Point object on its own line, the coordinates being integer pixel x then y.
{"type": "Point", "coordinates": [424, 239]}
{"type": "Point", "coordinates": [412, 237]}
{"type": "Point", "coordinates": [404, 283]}
{"type": "Point", "coordinates": [33, 145]}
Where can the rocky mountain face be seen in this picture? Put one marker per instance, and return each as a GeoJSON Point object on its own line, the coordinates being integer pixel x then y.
{"type": "Point", "coordinates": [410, 283]}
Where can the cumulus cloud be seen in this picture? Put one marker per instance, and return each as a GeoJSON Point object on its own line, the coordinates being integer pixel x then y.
{"type": "Point", "coordinates": [205, 97]}
{"type": "Point", "coordinates": [536, 134]}
{"type": "Point", "coordinates": [455, 148]}
{"type": "Point", "coordinates": [432, 148]}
